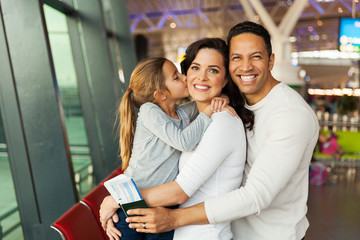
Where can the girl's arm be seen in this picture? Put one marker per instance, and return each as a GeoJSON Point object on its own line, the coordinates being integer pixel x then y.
{"type": "Point", "coordinates": [160, 124]}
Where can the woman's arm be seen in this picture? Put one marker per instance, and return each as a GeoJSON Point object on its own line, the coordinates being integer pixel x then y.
{"type": "Point", "coordinates": [167, 194]}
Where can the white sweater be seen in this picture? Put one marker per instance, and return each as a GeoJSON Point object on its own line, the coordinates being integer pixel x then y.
{"type": "Point", "coordinates": [214, 168]}
{"type": "Point", "coordinates": [271, 204]}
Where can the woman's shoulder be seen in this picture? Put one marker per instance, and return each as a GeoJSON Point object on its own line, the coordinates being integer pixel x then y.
{"type": "Point", "coordinates": [225, 120]}
{"type": "Point", "coordinates": [226, 127]}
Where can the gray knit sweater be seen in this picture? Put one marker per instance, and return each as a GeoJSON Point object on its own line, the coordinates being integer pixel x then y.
{"type": "Point", "coordinates": [159, 141]}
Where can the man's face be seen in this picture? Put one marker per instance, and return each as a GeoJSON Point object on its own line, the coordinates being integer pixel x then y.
{"type": "Point", "coordinates": [250, 66]}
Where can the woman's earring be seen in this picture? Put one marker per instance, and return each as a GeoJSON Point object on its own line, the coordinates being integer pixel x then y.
{"type": "Point", "coordinates": [164, 98]}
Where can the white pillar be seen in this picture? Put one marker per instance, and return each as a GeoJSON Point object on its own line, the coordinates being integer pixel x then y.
{"type": "Point", "coordinates": [283, 70]}
{"type": "Point", "coordinates": [249, 12]}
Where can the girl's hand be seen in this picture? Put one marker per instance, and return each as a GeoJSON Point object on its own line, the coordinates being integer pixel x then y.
{"type": "Point", "coordinates": [112, 232]}
{"type": "Point", "coordinates": [231, 110]}
{"type": "Point", "coordinates": [218, 103]}
{"type": "Point", "coordinates": [108, 210]}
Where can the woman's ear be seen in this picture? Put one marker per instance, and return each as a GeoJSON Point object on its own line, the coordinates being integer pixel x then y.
{"type": "Point", "coordinates": [159, 95]}
{"type": "Point", "coordinates": [226, 80]}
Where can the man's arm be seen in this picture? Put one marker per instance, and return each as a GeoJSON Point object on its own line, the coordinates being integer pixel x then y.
{"type": "Point", "coordinates": [163, 219]}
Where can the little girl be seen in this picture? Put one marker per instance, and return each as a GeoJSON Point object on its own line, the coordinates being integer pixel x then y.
{"type": "Point", "coordinates": [150, 151]}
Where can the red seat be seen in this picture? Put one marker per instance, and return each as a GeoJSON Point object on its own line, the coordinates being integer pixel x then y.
{"type": "Point", "coordinates": [78, 223]}
{"type": "Point", "coordinates": [119, 170]}
{"type": "Point", "coordinates": [95, 198]}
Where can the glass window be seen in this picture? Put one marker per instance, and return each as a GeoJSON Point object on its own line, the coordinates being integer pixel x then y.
{"type": "Point", "coordinates": [10, 227]}
{"type": "Point", "coordinates": [67, 83]}
{"type": "Point", "coordinates": [112, 41]}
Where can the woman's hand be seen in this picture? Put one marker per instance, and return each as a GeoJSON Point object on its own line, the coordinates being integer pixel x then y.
{"type": "Point", "coordinates": [108, 210]}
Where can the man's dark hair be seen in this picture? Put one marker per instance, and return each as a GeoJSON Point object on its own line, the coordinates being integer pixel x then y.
{"type": "Point", "coordinates": [251, 27]}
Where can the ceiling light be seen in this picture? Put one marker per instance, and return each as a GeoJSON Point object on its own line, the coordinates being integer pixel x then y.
{"type": "Point", "coordinates": [292, 39]}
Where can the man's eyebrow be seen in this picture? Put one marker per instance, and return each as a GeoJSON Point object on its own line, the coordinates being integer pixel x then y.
{"type": "Point", "coordinates": [256, 52]}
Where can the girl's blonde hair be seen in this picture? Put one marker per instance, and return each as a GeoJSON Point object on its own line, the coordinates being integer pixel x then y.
{"type": "Point", "coordinates": [146, 78]}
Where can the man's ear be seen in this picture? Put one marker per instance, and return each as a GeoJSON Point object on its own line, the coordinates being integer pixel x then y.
{"type": "Point", "coordinates": [159, 95]}
{"type": "Point", "coordinates": [271, 61]}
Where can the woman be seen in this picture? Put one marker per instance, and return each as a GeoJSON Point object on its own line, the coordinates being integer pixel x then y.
{"type": "Point", "coordinates": [216, 166]}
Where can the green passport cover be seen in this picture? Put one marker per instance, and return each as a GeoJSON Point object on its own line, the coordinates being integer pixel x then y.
{"type": "Point", "coordinates": [133, 205]}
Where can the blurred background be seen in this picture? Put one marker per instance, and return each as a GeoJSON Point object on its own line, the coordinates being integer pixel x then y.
{"type": "Point", "coordinates": [64, 66]}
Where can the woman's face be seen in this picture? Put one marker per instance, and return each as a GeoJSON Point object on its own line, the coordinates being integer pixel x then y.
{"type": "Point", "coordinates": [206, 75]}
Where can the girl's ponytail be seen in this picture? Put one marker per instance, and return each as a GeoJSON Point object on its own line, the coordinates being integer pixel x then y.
{"type": "Point", "coordinates": [127, 127]}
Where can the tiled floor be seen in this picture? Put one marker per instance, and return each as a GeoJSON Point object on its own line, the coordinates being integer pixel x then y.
{"type": "Point", "coordinates": [334, 209]}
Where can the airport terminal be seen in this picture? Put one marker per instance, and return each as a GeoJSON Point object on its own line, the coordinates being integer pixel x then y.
{"type": "Point", "coordinates": [65, 65]}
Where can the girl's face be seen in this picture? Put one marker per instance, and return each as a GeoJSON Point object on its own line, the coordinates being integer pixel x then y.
{"type": "Point", "coordinates": [175, 82]}
{"type": "Point", "coordinates": [206, 75]}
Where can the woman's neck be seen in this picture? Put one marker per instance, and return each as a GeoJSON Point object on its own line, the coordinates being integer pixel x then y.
{"type": "Point", "coordinates": [201, 105]}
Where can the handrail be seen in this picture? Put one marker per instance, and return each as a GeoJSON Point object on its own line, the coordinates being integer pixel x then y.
{"type": "Point", "coordinates": [8, 213]}
{"type": "Point", "coordinates": [12, 228]}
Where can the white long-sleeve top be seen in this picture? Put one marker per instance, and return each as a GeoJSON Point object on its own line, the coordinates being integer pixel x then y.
{"type": "Point", "coordinates": [271, 204]}
{"type": "Point", "coordinates": [214, 168]}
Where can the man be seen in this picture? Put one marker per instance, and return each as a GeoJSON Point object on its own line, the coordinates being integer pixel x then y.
{"type": "Point", "coordinates": [271, 204]}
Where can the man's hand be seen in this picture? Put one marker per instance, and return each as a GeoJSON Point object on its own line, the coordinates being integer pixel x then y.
{"type": "Point", "coordinates": [151, 220]}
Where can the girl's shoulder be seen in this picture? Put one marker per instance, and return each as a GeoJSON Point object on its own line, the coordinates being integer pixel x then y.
{"type": "Point", "coordinates": [149, 107]}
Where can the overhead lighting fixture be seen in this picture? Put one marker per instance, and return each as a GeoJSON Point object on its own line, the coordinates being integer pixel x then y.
{"type": "Point", "coordinates": [335, 92]}
{"type": "Point", "coordinates": [292, 39]}
{"type": "Point", "coordinates": [331, 54]}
